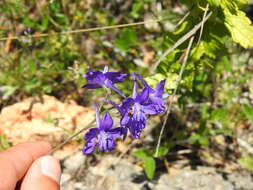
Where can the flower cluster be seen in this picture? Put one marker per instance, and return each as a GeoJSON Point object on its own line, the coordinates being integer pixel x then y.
{"type": "Point", "coordinates": [134, 110]}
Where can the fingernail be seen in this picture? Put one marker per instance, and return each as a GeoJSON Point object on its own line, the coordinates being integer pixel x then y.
{"type": "Point", "coordinates": [50, 167]}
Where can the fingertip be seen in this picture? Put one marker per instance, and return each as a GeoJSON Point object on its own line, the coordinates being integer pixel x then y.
{"type": "Point", "coordinates": [51, 167]}
{"type": "Point", "coordinates": [44, 173]}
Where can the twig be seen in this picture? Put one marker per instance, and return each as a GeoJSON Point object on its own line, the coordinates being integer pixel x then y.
{"type": "Point", "coordinates": [70, 138]}
{"type": "Point", "coordinates": [174, 93]}
{"type": "Point", "coordinates": [81, 30]}
{"type": "Point", "coordinates": [182, 20]}
{"type": "Point", "coordinates": [202, 23]}
{"type": "Point", "coordinates": [180, 41]}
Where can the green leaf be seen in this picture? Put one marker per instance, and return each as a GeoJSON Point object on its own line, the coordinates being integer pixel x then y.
{"type": "Point", "coordinates": [149, 167]}
{"type": "Point", "coordinates": [142, 154]}
{"type": "Point", "coordinates": [219, 115]}
{"type": "Point", "coordinates": [171, 79]}
{"type": "Point", "coordinates": [214, 2]}
{"type": "Point", "coordinates": [162, 151]}
{"type": "Point", "coordinates": [204, 141]}
{"type": "Point", "coordinates": [240, 27]}
{"type": "Point", "coordinates": [128, 38]}
{"type": "Point", "coordinates": [248, 111]}
{"type": "Point", "coordinates": [136, 8]}
{"type": "Point", "coordinates": [246, 162]}
{"type": "Point", "coordinates": [182, 28]}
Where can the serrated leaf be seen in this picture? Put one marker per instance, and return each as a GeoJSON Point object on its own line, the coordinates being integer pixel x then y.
{"type": "Point", "coordinates": [141, 153]}
{"type": "Point", "coordinates": [240, 27]}
{"type": "Point", "coordinates": [149, 167]}
{"type": "Point", "coordinates": [246, 162]}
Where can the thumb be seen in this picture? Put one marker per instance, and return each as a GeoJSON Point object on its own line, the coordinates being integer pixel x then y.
{"type": "Point", "coordinates": [44, 173]}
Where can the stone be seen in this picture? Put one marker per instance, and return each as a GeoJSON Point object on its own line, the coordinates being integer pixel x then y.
{"type": "Point", "coordinates": [48, 119]}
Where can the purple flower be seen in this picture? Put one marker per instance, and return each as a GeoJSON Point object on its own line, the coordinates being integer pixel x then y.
{"type": "Point", "coordinates": [134, 110]}
{"type": "Point", "coordinates": [103, 134]}
{"type": "Point", "coordinates": [155, 95]}
{"type": "Point", "coordinates": [98, 79]}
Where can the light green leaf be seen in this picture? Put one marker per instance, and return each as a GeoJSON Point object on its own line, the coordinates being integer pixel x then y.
{"type": "Point", "coordinates": [141, 153]}
{"type": "Point", "coordinates": [240, 27]}
{"type": "Point", "coordinates": [162, 151]}
{"type": "Point", "coordinates": [248, 111]}
{"type": "Point", "coordinates": [149, 167]}
{"type": "Point", "coordinates": [171, 79]}
{"type": "Point", "coordinates": [246, 162]}
{"type": "Point", "coordinates": [214, 2]}
{"type": "Point", "coordinates": [183, 27]}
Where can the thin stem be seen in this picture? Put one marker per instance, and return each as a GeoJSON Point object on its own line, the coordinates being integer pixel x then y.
{"type": "Point", "coordinates": [70, 138]}
{"type": "Point", "coordinates": [182, 20]}
{"type": "Point", "coordinates": [180, 41]}
{"type": "Point", "coordinates": [202, 23]}
{"type": "Point", "coordinates": [81, 30]}
{"type": "Point", "coordinates": [108, 92]}
{"type": "Point", "coordinates": [174, 93]}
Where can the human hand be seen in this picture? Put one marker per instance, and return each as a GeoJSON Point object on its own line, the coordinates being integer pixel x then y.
{"type": "Point", "coordinates": [26, 165]}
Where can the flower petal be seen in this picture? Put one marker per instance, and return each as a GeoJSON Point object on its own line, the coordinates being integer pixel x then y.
{"type": "Point", "coordinates": [126, 105]}
{"type": "Point", "coordinates": [110, 85]}
{"type": "Point", "coordinates": [95, 77]}
{"type": "Point", "coordinates": [116, 132]}
{"type": "Point", "coordinates": [135, 131]}
{"type": "Point", "coordinates": [116, 77]}
{"type": "Point", "coordinates": [90, 145]}
{"type": "Point", "coordinates": [143, 96]}
{"type": "Point", "coordinates": [139, 117]}
{"type": "Point", "coordinates": [106, 122]}
{"type": "Point", "coordinates": [106, 142]}
{"type": "Point", "coordinates": [92, 86]}
{"type": "Point", "coordinates": [92, 133]}
{"type": "Point", "coordinates": [124, 120]}
{"type": "Point", "coordinates": [135, 89]}
{"type": "Point", "coordinates": [154, 108]}
{"type": "Point", "coordinates": [159, 89]}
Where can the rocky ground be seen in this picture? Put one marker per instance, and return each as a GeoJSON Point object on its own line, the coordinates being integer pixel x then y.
{"type": "Point", "coordinates": [124, 176]}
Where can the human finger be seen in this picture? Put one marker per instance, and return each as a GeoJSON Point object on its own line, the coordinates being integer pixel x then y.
{"type": "Point", "coordinates": [15, 161]}
{"type": "Point", "coordinates": [43, 174]}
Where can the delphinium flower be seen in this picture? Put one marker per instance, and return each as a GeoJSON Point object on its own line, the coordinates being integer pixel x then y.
{"type": "Point", "coordinates": [103, 134]}
{"type": "Point", "coordinates": [156, 95]}
{"type": "Point", "coordinates": [134, 110]}
{"type": "Point", "coordinates": [98, 79]}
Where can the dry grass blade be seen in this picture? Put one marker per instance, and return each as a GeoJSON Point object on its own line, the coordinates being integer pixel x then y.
{"type": "Point", "coordinates": [81, 30]}
{"type": "Point", "coordinates": [202, 23]}
{"type": "Point", "coordinates": [70, 138]}
{"type": "Point", "coordinates": [174, 93]}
